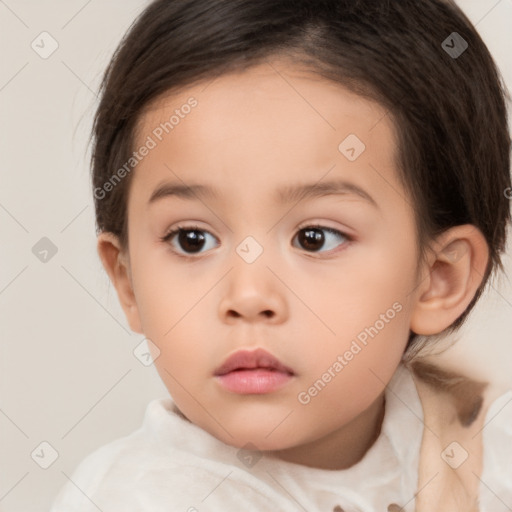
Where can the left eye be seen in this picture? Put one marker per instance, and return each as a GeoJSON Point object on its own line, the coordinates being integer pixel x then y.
{"type": "Point", "coordinates": [313, 238]}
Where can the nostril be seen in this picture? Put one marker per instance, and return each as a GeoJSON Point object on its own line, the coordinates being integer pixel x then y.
{"type": "Point", "coordinates": [267, 313]}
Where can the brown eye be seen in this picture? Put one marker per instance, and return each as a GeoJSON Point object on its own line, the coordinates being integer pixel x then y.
{"type": "Point", "coordinates": [188, 240]}
{"type": "Point", "coordinates": [314, 238]}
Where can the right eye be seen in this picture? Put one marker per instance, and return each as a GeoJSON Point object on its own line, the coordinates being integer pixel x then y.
{"type": "Point", "coordinates": [191, 239]}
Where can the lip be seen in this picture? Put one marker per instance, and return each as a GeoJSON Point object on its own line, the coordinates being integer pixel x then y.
{"type": "Point", "coordinates": [251, 359]}
{"type": "Point", "coordinates": [253, 372]}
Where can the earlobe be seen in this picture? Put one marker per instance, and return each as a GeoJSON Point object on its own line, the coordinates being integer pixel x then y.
{"type": "Point", "coordinates": [116, 264]}
{"type": "Point", "coordinates": [452, 276]}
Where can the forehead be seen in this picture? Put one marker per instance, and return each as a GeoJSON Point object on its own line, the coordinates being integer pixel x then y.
{"type": "Point", "coordinates": [272, 124]}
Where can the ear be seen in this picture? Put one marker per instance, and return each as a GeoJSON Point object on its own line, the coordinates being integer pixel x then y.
{"type": "Point", "coordinates": [116, 264]}
{"type": "Point", "coordinates": [451, 277]}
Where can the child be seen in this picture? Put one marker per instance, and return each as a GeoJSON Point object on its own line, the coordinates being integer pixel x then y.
{"type": "Point", "coordinates": [293, 197]}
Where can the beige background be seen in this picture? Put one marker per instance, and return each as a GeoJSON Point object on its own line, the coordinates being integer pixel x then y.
{"type": "Point", "coordinates": [68, 375]}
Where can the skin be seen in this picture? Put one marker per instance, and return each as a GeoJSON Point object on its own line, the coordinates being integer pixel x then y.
{"type": "Point", "coordinates": [251, 133]}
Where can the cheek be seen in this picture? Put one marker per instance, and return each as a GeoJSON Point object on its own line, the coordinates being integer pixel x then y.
{"type": "Point", "coordinates": [372, 289]}
{"type": "Point", "coordinates": [366, 368]}
{"type": "Point", "coordinates": [165, 292]}
{"type": "Point", "coordinates": [171, 304]}
{"type": "Point", "coordinates": [369, 307]}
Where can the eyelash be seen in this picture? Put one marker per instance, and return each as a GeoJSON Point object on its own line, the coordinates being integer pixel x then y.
{"type": "Point", "coordinates": [168, 236]}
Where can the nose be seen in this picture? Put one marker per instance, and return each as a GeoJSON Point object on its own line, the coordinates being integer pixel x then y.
{"type": "Point", "coordinates": [253, 294]}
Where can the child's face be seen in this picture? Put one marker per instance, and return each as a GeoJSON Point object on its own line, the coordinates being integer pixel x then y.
{"type": "Point", "coordinates": [338, 314]}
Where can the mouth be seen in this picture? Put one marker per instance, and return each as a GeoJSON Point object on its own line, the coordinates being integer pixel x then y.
{"type": "Point", "coordinates": [252, 360]}
{"type": "Point", "coordinates": [253, 372]}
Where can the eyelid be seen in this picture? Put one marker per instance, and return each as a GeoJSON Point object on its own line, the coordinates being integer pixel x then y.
{"type": "Point", "coordinates": [326, 226]}
{"type": "Point", "coordinates": [178, 227]}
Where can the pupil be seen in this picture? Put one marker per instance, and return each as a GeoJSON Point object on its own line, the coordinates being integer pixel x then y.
{"type": "Point", "coordinates": [191, 240]}
{"type": "Point", "coordinates": [312, 239]}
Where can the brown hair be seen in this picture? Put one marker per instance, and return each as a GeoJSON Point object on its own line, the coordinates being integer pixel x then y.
{"type": "Point", "coordinates": [448, 107]}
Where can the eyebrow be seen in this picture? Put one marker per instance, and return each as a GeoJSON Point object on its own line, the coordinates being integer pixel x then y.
{"type": "Point", "coordinates": [284, 195]}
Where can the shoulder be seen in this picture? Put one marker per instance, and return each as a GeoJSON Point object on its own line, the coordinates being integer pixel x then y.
{"type": "Point", "coordinates": [110, 465]}
{"type": "Point", "coordinates": [153, 469]}
{"type": "Point", "coordinates": [92, 473]}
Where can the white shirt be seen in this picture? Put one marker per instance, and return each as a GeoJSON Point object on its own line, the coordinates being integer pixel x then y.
{"type": "Point", "coordinates": [170, 464]}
